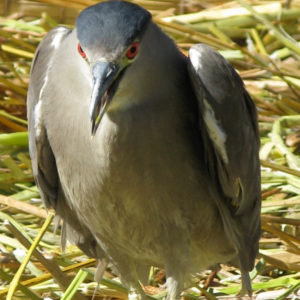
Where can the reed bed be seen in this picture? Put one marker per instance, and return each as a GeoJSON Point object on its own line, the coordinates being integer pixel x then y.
{"type": "Point", "coordinates": [262, 40]}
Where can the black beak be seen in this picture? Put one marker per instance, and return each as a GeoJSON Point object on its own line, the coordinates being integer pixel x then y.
{"type": "Point", "coordinates": [105, 76]}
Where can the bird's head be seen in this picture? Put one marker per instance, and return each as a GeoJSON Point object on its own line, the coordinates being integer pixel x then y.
{"type": "Point", "coordinates": [109, 36]}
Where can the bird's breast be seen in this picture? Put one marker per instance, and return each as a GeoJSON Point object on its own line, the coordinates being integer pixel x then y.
{"type": "Point", "coordinates": [142, 178]}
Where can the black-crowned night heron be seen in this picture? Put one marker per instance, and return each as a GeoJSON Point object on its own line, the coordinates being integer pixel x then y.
{"type": "Point", "coordinates": [171, 177]}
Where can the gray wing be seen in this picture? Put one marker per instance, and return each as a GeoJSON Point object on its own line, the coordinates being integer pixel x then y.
{"type": "Point", "coordinates": [228, 126]}
{"type": "Point", "coordinates": [42, 157]}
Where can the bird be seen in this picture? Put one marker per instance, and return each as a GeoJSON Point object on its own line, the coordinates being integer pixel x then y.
{"type": "Point", "coordinates": [148, 157]}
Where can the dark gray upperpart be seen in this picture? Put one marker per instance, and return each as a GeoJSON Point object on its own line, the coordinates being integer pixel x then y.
{"type": "Point", "coordinates": [111, 24]}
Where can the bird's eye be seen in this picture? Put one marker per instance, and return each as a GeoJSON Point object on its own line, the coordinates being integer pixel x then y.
{"type": "Point", "coordinates": [81, 52]}
{"type": "Point", "coordinates": [132, 51]}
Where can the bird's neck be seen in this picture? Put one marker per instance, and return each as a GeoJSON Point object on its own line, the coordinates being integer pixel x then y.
{"type": "Point", "coordinates": [156, 79]}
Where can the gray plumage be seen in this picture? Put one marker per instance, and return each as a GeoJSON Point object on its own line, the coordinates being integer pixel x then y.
{"type": "Point", "coordinates": [171, 177]}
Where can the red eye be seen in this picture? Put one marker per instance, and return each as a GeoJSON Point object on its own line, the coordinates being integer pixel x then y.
{"type": "Point", "coordinates": [132, 51]}
{"type": "Point", "coordinates": [81, 52]}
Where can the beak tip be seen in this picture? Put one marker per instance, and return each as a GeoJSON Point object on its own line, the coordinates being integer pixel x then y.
{"type": "Point", "coordinates": [96, 120]}
{"type": "Point", "coordinates": [95, 125]}
{"type": "Point", "coordinates": [93, 131]}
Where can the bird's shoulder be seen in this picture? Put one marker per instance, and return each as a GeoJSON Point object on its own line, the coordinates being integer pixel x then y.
{"type": "Point", "coordinates": [50, 43]}
{"type": "Point", "coordinates": [42, 62]}
{"type": "Point", "coordinates": [227, 117]}
{"type": "Point", "coordinates": [43, 161]}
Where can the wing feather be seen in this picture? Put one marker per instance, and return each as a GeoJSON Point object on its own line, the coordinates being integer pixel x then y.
{"type": "Point", "coordinates": [228, 125]}
{"type": "Point", "coordinates": [43, 159]}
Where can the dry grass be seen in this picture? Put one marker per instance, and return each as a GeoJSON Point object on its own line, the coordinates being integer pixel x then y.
{"type": "Point", "coordinates": [262, 40]}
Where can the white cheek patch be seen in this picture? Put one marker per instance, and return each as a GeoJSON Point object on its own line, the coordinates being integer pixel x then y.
{"type": "Point", "coordinates": [215, 131]}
